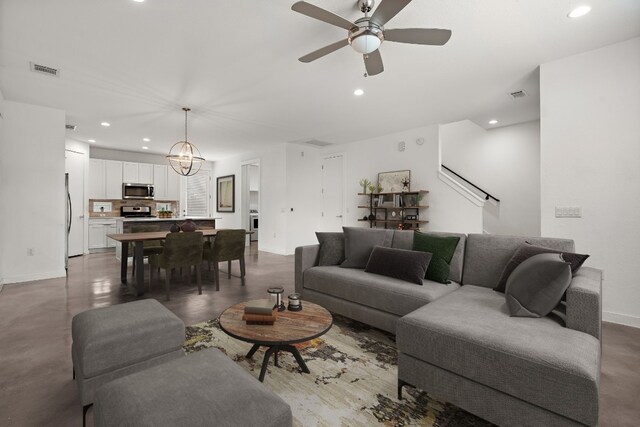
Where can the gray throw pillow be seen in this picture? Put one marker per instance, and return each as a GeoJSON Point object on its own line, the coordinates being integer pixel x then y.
{"type": "Point", "coordinates": [359, 242]}
{"type": "Point", "coordinates": [410, 266]}
{"type": "Point", "coordinates": [331, 248]}
{"type": "Point", "coordinates": [527, 250]}
{"type": "Point", "coordinates": [536, 286]}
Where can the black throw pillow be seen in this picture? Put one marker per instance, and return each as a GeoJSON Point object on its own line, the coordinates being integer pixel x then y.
{"type": "Point", "coordinates": [331, 248]}
{"type": "Point", "coordinates": [410, 266]}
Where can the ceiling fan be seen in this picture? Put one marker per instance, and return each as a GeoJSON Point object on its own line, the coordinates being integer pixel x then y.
{"type": "Point", "coordinates": [367, 33]}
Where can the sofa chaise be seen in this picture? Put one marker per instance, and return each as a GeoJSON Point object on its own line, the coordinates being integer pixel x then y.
{"type": "Point", "coordinates": [458, 341]}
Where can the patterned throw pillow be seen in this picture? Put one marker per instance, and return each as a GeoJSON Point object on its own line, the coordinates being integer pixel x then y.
{"type": "Point", "coordinates": [536, 286]}
{"type": "Point", "coordinates": [331, 248]}
{"type": "Point", "coordinates": [525, 251]}
{"type": "Point", "coordinates": [442, 249]}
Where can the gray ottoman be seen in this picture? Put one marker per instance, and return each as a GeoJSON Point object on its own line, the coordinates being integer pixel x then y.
{"type": "Point", "coordinates": [115, 341]}
{"type": "Point", "coordinates": [203, 389]}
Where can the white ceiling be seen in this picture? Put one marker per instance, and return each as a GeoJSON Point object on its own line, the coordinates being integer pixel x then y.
{"type": "Point", "coordinates": [235, 64]}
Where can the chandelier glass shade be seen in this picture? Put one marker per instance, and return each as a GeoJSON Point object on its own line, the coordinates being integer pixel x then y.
{"type": "Point", "coordinates": [184, 157]}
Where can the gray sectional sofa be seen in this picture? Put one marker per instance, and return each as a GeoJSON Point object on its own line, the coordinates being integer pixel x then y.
{"type": "Point", "coordinates": [458, 342]}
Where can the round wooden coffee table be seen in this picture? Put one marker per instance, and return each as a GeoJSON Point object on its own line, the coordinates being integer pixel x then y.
{"type": "Point", "coordinates": [291, 327]}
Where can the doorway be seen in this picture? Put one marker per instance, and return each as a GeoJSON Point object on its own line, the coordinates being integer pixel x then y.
{"type": "Point", "coordinates": [250, 205]}
{"type": "Point", "coordinates": [332, 193]}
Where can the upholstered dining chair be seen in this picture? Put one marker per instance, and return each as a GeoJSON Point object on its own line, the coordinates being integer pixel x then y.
{"type": "Point", "coordinates": [182, 249]}
{"type": "Point", "coordinates": [149, 247]}
{"type": "Point", "coordinates": [228, 245]}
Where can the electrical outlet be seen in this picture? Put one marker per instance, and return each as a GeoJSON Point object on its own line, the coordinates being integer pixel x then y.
{"type": "Point", "coordinates": [30, 251]}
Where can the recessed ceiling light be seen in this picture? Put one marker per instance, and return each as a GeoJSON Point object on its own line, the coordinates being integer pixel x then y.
{"type": "Point", "coordinates": [358, 92]}
{"type": "Point", "coordinates": [105, 124]}
{"type": "Point", "coordinates": [91, 140]}
{"type": "Point", "coordinates": [146, 139]}
{"type": "Point", "coordinates": [144, 147]}
{"type": "Point", "coordinates": [493, 122]}
{"type": "Point", "coordinates": [579, 11]}
{"type": "Point", "coordinates": [138, 1]}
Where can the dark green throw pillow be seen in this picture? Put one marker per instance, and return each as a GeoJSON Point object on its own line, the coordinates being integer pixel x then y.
{"type": "Point", "coordinates": [442, 249]}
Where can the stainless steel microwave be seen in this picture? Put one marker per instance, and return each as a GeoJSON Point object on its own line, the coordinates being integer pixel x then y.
{"type": "Point", "coordinates": [137, 191]}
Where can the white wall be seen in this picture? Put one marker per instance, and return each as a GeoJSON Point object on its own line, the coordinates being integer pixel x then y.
{"type": "Point", "coordinates": [84, 149]}
{"type": "Point", "coordinates": [447, 211]}
{"type": "Point", "coordinates": [504, 161]}
{"type": "Point", "coordinates": [590, 157]}
{"type": "Point", "coordinates": [272, 196]}
{"type": "Point", "coordinates": [35, 186]}
{"type": "Point", "coordinates": [2, 190]}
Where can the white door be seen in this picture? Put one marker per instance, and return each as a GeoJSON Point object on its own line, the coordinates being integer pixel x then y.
{"type": "Point", "coordinates": [332, 193]}
{"type": "Point", "coordinates": [74, 166]}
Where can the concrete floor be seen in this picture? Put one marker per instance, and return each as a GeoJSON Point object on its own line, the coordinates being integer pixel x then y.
{"type": "Point", "coordinates": [36, 388]}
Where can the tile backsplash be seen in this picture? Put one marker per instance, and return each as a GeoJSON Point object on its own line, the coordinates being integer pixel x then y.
{"type": "Point", "coordinates": [116, 204]}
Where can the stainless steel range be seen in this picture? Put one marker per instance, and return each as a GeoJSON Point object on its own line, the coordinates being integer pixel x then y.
{"type": "Point", "coordinates": [136, 212]}
{"type": "Point", "coordinates": [253, 225]}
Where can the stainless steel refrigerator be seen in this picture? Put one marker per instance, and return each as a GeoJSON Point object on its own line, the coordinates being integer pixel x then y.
{"type": "Point", "coordinates": [68, 215]}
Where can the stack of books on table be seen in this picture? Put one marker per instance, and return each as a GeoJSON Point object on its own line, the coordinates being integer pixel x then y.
{"type": "Point", "coordinates": [260, 312]}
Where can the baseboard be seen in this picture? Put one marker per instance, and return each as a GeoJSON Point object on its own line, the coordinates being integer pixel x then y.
{"type": "Point", "coordinates": [31, 277]}
{"type": "Point", "coordinates": [622, 319]}
{"type": "Point", "coordinates": [272, 250]}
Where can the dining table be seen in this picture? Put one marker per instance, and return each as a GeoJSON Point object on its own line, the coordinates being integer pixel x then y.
{"type": "Point", "coordinates": [138, 240]}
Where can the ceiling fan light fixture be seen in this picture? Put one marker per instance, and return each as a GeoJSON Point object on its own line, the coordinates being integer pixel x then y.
{"type": "Point", "coordinates": [365, 42]}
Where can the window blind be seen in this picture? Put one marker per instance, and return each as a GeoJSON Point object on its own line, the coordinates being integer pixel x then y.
{"type": "Point", "coordinates": [198, 194]}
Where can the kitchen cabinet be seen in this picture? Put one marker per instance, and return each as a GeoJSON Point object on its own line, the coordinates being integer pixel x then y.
{"type": "Point", "coordinates": [98, 230]}
{"type": "Point", "coordinates": [105, 179]}
{"type": "Point", "coordinates": [96, 179]}
{"type": "Point", "coordinates": [173, 184]}
{"type": "Point", "coordinates": [137, 173]}
{"type": "Point", "coordinates": [113, 179]}
{"type": "Point", "coordinates": [254, 178]}
{"type": "Point", "coordinates": [160, 182]}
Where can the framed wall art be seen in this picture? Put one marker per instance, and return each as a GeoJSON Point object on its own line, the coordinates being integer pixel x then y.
{"type": "Point", "coordinates": [394, 181]}
{"type": "Point", "coordinates": [226, 193]}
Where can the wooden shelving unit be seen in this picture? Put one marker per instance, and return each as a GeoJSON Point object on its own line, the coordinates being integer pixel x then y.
{"type": "Point", "coordinates": [398, 208]}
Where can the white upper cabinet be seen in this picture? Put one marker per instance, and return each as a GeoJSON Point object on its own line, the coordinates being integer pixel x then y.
{"type": "Point", "coordinates": [254, 178]}
{"type": "Point", "coordinates": [137, 173]}
{"type": "Point", "coordinates": [105, 179]}
{"type": "Point", "coordinates": [113, 179]}
{"type": "Point", "coordinates": [145, 173]}
{"type": "Point", "coordinates": [173, 184]}
{"type": "Point", "coordinates": [96, 179]}
{"type": "Point", "coordinates": [160, 182]}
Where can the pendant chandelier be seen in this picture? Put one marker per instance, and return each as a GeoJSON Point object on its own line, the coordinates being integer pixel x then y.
{"type": "Point", "coordinates": [184, 157]}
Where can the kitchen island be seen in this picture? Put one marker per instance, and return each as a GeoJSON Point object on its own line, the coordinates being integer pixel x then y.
{"type": "Point", "coordinates": [124, 225]}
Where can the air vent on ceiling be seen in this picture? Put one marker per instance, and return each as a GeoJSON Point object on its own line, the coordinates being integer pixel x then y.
{"type": "Point", "coordinates": [317, 143]}
{"type": "Point", "coordinates": [43, 69]}
{"type": "Point", "coordinates": [70, 127]}
{"type": "Point", "coordinates": [518, 94]}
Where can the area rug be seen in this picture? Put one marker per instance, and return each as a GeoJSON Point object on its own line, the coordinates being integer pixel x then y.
{"type": "Point", "coordinates": [353, 379]}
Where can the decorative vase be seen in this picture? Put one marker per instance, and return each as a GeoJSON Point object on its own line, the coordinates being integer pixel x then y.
{"type": "Point", "coordinates": [174, 228]}
{"type": "Point", "coordinates": [189, 225]}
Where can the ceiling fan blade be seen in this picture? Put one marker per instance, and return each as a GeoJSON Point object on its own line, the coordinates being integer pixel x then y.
{"type": "Point", "coordinates": [323, 51]}
{"type": "Point", "coordinates": [321, 14]}
{"type": "Point", "coordinates": [431, 36]}
{"type": "Point", "coordinates": [387, 10]}
{"type": "Point", "coordinates": [373, 63]}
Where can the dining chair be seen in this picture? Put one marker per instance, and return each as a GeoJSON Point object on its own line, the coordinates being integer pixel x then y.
{"type": "Point", "coordinates": [180, 250]}
{"type": "Point", "coordinates": [149, 247]}
{"type": "Point", "coordinates": [228, 245]}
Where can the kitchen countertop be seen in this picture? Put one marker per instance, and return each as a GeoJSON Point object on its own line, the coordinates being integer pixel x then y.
{"type": "Point", "coordinates": [142, 219]}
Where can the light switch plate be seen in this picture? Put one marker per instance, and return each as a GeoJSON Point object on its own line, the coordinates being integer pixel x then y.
{"type": "Point", "coordinates": [568, 212]}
